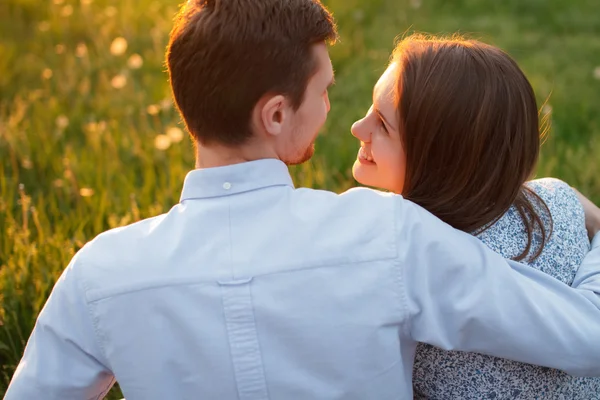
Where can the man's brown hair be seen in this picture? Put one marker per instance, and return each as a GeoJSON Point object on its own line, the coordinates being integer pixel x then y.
{"type": "Point", "coordinates": [224, 55]}
{"type": "Point", "coordinates": [469, 124]}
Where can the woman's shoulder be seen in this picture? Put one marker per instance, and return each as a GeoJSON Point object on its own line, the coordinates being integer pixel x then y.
{"type": "Point", "coordinates": [565, 208]}
{"type": "Point", "coordinates": [568, 243]}
{"type": "Point", "coordinates": [554, 191]}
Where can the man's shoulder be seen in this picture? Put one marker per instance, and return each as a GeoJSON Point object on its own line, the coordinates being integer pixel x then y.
{"type": "Point", "coordinates": [116, 241]}
{"type": "Point", "coordinates": [118, 249]}
{"type": "Point", "coordinates": [368, 207]}
{"type": "Point", "coordinates": [352, 193]}
{"type": "Point", "coordinates": [355, 199]}
{"type": "Point", "coordinates": [309, 228]}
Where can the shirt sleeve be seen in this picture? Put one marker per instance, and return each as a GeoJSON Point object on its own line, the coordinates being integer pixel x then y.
{"type": "Point", "coordinates": [62, 359]}
{"type": "Point", "coordinates": [460, 295]}
{"type": "Point", "coordinates": [587, 277]}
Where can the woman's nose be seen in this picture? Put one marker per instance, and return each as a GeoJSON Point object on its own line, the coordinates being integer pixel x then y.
{"type": "Point", "coordinates": [359, 130]}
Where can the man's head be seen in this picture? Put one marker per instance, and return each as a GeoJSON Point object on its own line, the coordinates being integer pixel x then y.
{"type": "Point", "coordinates": [253, 71]}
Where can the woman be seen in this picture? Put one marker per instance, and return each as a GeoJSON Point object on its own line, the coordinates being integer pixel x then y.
{"type": "Point", "coordinates": [454, 128]}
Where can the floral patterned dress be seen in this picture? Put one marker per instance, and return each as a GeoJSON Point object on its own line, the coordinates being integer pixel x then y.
{"type": "Point", "coordinates": [446, 375]}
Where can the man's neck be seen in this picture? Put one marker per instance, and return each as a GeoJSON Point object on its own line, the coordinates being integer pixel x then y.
{"type": "Point", "coordinates": [219, 156]}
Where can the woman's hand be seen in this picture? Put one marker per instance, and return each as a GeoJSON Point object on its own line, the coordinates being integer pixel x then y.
{"type": "Point", "coordinates": [592, 215]}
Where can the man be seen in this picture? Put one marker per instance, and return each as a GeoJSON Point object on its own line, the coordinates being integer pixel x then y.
{"type": "Point", "coordinates": [251, 289]}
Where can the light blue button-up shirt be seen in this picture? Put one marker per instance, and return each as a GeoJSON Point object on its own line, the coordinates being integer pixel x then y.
{"type": "Point", "coordinates": [251, 289]}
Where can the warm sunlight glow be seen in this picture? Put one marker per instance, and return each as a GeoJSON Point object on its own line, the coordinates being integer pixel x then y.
{"type": "Point", "coordinates": [47, 73]}
{"type": "Point", "coordinates": [416, 4]}
{"type": "Point", "coordinates": [153, 109]}
{"type": "Point", "coordinates": [118, 46]}
{"type": "Point", "coordinates": [86, 192]}
{"type": "Point", "coordinates": [175, 134]}
{"type": "Point", "coordinates": [44, 26]}
{"type": "Point", "coordinates": [162, 142]}
{"type": "Point", "coordinates": [27, 163]}
{"type": "Point", "coordinates": [110, 11]}
{"type": "Point", "coordinates": [119, 81]}
{"type": "Point", "coordinates": [135, 61]}
{"type": "Point", "coordinates": [166, 104]}
{"type": "Point", "coordinates": [81, 50]}
{"type": "Point", "coordinates": [67, 11]}
{"type": "Point", "coordinates": [62, 121]}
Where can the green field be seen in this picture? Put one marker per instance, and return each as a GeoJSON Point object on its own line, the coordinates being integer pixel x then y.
{"type": "Point", "coordinates": [89, 138]}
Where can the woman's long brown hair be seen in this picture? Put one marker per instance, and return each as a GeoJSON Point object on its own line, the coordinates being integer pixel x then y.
{"type": "Point", "coordinates": [470, 129]}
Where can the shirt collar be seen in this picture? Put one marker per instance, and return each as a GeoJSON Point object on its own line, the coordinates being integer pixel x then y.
{"type": "Point", "coordinates": [234, 179]}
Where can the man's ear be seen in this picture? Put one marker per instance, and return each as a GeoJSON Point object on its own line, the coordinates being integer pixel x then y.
{"type": "Point", "coordinates": [271, 114]}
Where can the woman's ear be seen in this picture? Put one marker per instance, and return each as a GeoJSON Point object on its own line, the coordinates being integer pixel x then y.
{"type": "Point", "coordinates": [271, 113]}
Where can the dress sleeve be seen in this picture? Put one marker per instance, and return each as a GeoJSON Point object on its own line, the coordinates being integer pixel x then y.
{"type": "Point", "coordinates": [567, 212]}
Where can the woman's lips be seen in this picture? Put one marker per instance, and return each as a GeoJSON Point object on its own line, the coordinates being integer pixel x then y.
{"type": "Point", "coordinates": [364, 157]}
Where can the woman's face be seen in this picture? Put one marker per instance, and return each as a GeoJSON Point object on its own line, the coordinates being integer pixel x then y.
{"type": "Point", "coordinates": [381, 160]}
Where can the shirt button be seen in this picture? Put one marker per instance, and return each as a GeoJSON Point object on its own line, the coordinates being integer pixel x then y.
{"type": "Point", "coordinates": [227, 186]}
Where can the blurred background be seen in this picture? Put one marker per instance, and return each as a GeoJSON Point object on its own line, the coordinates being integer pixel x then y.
{"type": "Point", "coordinates": [90, 140]}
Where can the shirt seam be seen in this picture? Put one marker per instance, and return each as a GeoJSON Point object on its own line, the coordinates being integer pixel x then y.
{"type": "Point", "coordinates": [260, 352]}
{"type": "Point", "coordinates": [93, 318]}
{"type": "Point", "coordinates": [231, 263]}
{"type": "Point", "coordinates": [233, 193]}
{"type": "Point", "coordinates": [401, 277]}
{"type": "Point", "coordinates": [91, 298]}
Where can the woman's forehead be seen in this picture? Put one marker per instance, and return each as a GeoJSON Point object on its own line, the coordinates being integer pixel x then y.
{"type": "Point", "coordinates": [385, 86]}
{"type": "Point", "coordinates": [384, 94]}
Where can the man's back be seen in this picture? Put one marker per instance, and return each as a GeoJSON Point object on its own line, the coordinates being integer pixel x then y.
{"type": "Point", "coordinates": [279, 291]}
{"type": "Point", "coordinates": [251, 289]}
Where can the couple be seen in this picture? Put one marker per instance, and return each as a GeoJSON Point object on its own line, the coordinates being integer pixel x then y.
{"type": "Point", "coordinates": [250, 288]}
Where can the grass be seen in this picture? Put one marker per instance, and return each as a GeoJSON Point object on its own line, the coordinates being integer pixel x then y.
{"type": "Point", "coordinates": [89, 138]}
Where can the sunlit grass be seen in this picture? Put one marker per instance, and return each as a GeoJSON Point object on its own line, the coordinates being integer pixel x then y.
{"type": "Point", "coordinates": [90, 140]}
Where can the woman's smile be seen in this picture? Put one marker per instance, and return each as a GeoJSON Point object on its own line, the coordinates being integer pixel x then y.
{"type": "Point", "coordinates": [364, 155]}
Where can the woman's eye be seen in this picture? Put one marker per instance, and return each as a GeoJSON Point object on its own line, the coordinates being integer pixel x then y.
{"type": "Point", "coordinates": [383, 126]}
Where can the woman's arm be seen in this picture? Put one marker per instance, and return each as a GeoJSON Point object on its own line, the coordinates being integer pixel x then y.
{"type": "Point", "coordinates": [592, 215]}
{"type": "Point", "coordinates": [585, 275]}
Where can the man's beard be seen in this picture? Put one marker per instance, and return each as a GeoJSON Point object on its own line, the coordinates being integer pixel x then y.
{"type": "Point", "coordinates": [300, 159]}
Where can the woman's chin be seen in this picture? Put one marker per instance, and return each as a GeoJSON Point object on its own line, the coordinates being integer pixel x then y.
{"type": "Point", "coordinates": [365, 174]}
{"type": "Point", "coordinates": [361, 172]}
